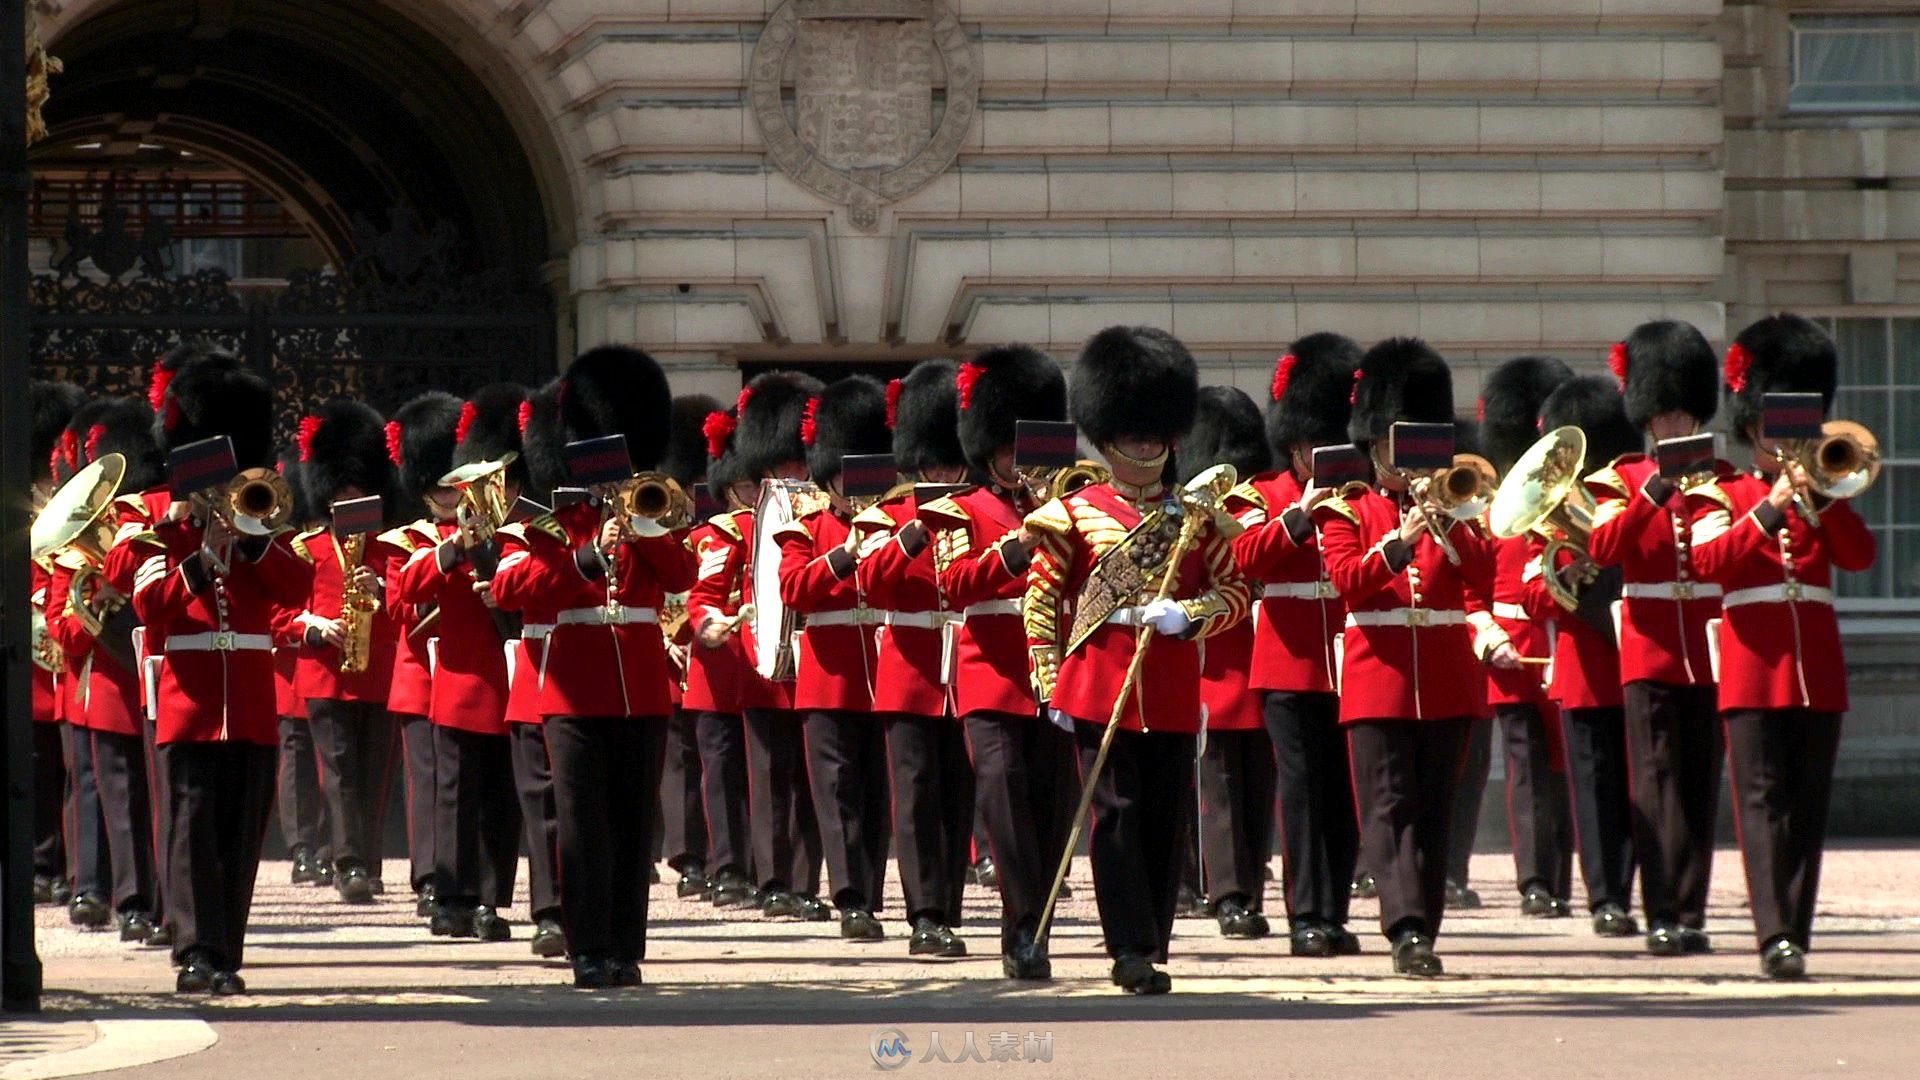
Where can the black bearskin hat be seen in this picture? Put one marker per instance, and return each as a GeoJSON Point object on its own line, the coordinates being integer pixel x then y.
{"type": "Point", "coordinates": [1469, 437]}
{"type": "Point", "coordinates": [614, 390]}
{"type": "Point", "coordinates": [1227, 429]}
{"type": "Point", "coordinates": [493, 423]}
{"type": "Point", "coordinates": [1663, 366]}
{"type": "Point", "coordinates": [212, 394]}
{"type": "Point", "coordinates": [305, 514]}
{"type": "Point", "coordinates": [686, 459]}
{"type": "Point", "coordinates": [1594, 404]}
{"type": "Point", "coordinates": [345, 445]}
{"type": "Point", "coordinates": [769, 412]}
{"type": "Point", "coordinates": [1001, 387]}
{"type": "Point", "coordinates": [723, 461]}
{"type": "Point", "coordinates": [54, 404]}
{"type": "Point", "coordinates": [849, 417]}
{"type": "Point", "coordinates": [1510, 403]}
{"type": "Point", "coordinates": [1400, 379]}
{"type": "Point", "coordinates": [1134, 380]}
{"type": "Point", "coordinates": [1780, 354]}
{"type": "Point", "coordinates": [542, 444]}
{"type": "Point", "coordinates": [420, 443]}
{"type": "Point", "coordinates": [923, 410]}
{"type": "Point", "coordinates": [1308, 399]}
{"type": "Point", "coordinates": [121, 426]}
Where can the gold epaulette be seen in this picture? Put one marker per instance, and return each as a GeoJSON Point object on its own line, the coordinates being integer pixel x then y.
{"type": "Point", "coordinates": [400, 538]}
{"type": "Point", "coordinates": [517, 532]}
{"type": "Point", "coordinates": [873, 519]}
{"type": "Point", "coordinates": [1713, 493]}
{"type": "Point", "coordinates": [310, 533]}
{"type": "Point", "coordinates": [1248, 494]}
{"type": "Point", "coordinates": [947, 513]}
{"type": "Point", "coordinates": [297, 543]}
{"type": "Point", "coordinates": [795, 529]}
{"type": "Point", "coordinates": [1342, 507]}
{"type": "Point", "coordinates": [549, 526]}
{"type": "Point", "coordinates": [145, 536]}
{"type": "Point", "coordinates": [1608, 477]}
{"type": "Point", "coordinates": [133, 502]}
{"type": "Point", "coordinates": [1054, 518]}
{"type": "Point", "coordinates": [724, 523]}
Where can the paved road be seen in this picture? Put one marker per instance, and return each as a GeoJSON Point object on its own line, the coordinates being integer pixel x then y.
{"type": "Point", "coordinates": [368, 990]}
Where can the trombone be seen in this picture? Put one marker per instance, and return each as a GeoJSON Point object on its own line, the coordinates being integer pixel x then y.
{"type": "Point", "coordinates": [656, 497]}
{"type": "Point", "coordinates": [256, 502]}
{"type": "Point", "coordinates": [1460, 492]}
{"type": "Point", "coordinates": [1543, 493]}
{"type": "Point", "coordinates": [1843, 462]}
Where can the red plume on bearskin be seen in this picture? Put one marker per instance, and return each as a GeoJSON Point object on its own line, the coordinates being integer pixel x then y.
{"type": "Point", "coordinates": [963, 381]}
{"type": "Point", "coordinates": [740, 403]}
{"type": "Point", "coordinates": [893, 403]}
{"type": "Point", "coordinates": [93, 440]}
{"type": "Point", "coordinates": [525, 417]}
{"type": "Point", "coordinates": [718, 428]}
{"type": "Point", "coordinates": [1480, 411]}
{"type": "Point", "coordinates": [1353, 395]}
{"type": "Point", "coordinates": [1282, 372]}
{"type": "Point", "coordinates": [468, 414]}
{"type": "Point", "coordinates": [157, 385]}
{"type": "Point", "coordinates": [394, 453]}
{"type": "Point", "coordinates": [309, 427]}
{"type": "Point", "coordinates": [810, 421]}
{"type": "Point", "coordinates": [1617, 363]}
{"type": "Point", "coordinates": [1739, 360]}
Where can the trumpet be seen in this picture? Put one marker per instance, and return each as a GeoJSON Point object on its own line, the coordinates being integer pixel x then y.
{"type": "Point", "coordinates": [1543, 493]}
{"type": "Point", "coordinates": [1049, 482]}
{"type": "Point", "coordinates": [656, 497]}
{"type": "Point", "coordinates": [256, 502]}
{"type": "Point", "coordinates": [1460, 492]}
{"type": "Point", "coordinates": [1843, 462]}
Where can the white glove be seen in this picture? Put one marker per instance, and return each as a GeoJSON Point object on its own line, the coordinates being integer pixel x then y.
{"type": "Point", "coordinates": [1167, 617]}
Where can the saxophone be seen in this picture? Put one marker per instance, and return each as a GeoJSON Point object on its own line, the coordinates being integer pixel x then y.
{"type": "Point", "coordinates": [357, 608]}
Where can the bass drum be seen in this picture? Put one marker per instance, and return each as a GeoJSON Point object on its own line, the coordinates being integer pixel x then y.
{"type": "Point", "coordinates": [773, 626]}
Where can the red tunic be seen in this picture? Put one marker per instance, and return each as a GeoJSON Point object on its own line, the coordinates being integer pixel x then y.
{"type": "Point", "coordinates": [983, 572]}
{"type": "Point", "coordinates": [287, 633]}
{"type": "Point", "coordinates": [44, 711]}
{"type": "Point", "coordinates": [1523, 685]}
{"type": "Point", "coordinates": [612, 662]}
{"type": "Point", "coordinates": [1661, 639]}
{"type": "Point", "coordinates": [469, 687]}
{"type": "Point", "coordinates": [1397, 665]}
{"type": "Point", "coordinates": [209, 695]}
{"type": "Point", "coordinates": [716, 676]}
{"type": "Point", "coordinates": [525, 653]}
{"type": "Point", "coordinates": [913, 640]}
{"type": "Point", "coordinates": [837, 644]}
{"type": "Point", "coordinates": [1296, 623]}
{"type": "Point", "coordinates": [112, 700]}
{"type": "Point", "coordinates": [1586, 666]}
{"type": "Point", "coordinates": [1779, 639]}
{"type": "Point", "coordinates": [411, 691]}
{"type": "Point", "coordinates": [317, 673]}
{"type": "Point", "coordinates": [1230, 704]}
{"type": "Point", "coordinates": [76, 649]}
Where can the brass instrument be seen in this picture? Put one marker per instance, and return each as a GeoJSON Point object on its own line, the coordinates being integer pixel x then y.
{"type": "Point", "coordinates": [1841, 464]}
{"type": "Point", "coordinates": [74, 530]}
{"type": "Point", "coordinates": [1053, 482]}
{"type": "Point", "coordinates": [862, 503]}
{"type": "Point", "coordinates": [256, 502]}
{"type": "Point", "coordinates": [484, 506]}
{"type": "Point", "coordinates": [657, 497]}
{"type": "Point", "coordinates": [357, 608]}
{"type": "Point", "coordinates": [1544, 494]}
{"type": "Point", "coordinates": [1460, 492]}
{"type": "Point", "coordinates": [47, 654]}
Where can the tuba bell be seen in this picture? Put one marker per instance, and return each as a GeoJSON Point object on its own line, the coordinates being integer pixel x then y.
{"type": "Point", "coordinates": [483, 495]}
{"type": "Point", "coordinates": [1544, 494]}
{"type": "Point", "coordinates": [74, 531]}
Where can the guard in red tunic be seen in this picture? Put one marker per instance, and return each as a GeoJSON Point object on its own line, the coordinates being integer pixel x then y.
{"type": "Point", "coordinates": [207, 597]}
{"type": "Point", "coordinates": [598, 575]}
{"type": "Point", "coordinates": [420, 444]}
{"type": "Point", "coordinates": [302, 807]}
{"type": "Point", "coordinates": [343, 451]}
{"type": "Point", "coordinates": [683, 816]}
{"type": "Point", "coordinates": [1669, 375]}
{"type": "Point", "coordinates": [1538, 811]}
{"type": "Point", "coordinates": [1237, 771]}
{"type": "Point", "coordinates": [1773, 543]}
{"type": "Point", "coordinates": [1102, 556]}
{"type": "Point", "coordinates": [1296, 630]}
{"type": "Point", "coordinates": [1586, 670]}
{"type": "Point", "coordinates": [53, 405]}
{"type": "Point", "coordinates": [913, 682]}
{"type": "Point", "coordinates": [1018, 758]}
{"type": "Point", "coordinates": [786, 834]}
{"type": "Point", "coordinates": [1418, 626]}
{"type": "Point", "coordinates": [846, 745]}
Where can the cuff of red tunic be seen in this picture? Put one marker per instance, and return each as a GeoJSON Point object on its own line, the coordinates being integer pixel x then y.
{"type": "Point", "coordinates": [448, 555]}
{"type": "Point", "coordinates": [1397, 554]}
{"type": "Point", "coordinates": [1015, 557]}
{"type": "Point", "coordinates": [841, 563]}
{"type": "Point", "coordinates": [1299, 525]}
{"type": "Point", "coordinates": [591, 564]}
{"type": "Point", "coordinates": [1769, 517]}
{"type": "Point", "coordinates": [196, 573]}
{"type": "Point", "coordinates": [913, 539]}
{"type": "Point", "coordinates": [1658, 489]}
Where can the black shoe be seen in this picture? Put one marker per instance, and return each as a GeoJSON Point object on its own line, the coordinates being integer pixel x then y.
{"type": "Point", "coordinates": [89, 912]}
{"type": "Point", "coordinates": [1239, 922]}
{"type": "Point", "coordinates": [624, 972]}
{"type": "Point", "coordinates": [304, 872]}
{"type": "Point", "coordinates": [858, 925]}
{"type": "Point", "coordinates": [1461, 898]}
{"type": "Point", "coordinates": [730, 889]}
{"type": "Point", "coordinates": [549, 940]}
{"type": "Point", "coordinates": [1136, 975]}
{"type": "Point", "coordinates": [1344, 943]}
{"type": "Point", "coordinates": [591, 973]}
{"type": "Point", "coordinates": [355, 886]}
{"type": "Point", "coordinates": [779, 904]}
{"type": "Point", "coordinates": [1027, 962]}
{"type": "Point", "coordinates": [228, 983]}
{"type": "Point", "coordinates": [810, 908]}
{"type": "Point", "coordinates": [42, 890]}
{"type": "Point", "coordinates": [1783, 960]}
{"type": "Point", "coordinates": [1066, 891]}
{"type": "Point", "coordinates": [985, 874]}
{"type": "Point", "coordinates": [1364, 888]}
{"type": "Point", "coordinates": [323, 874]}
{"type": "Point", "coordinates": [1413, 955]}
{"type": "Point", "coordinates": [1665, 941]}
{"type": "Point", "coordinates": [1311, 939]}
{"type": "Point", "coordinates": [134, 925]}
{"type": "Point", "coordinates": [62, 892]}
{"type": "Point", "coordinates": [1612, 920]}
{"type": "Point", "coordinates": [428, 902]}
{"type": "Point", "coordinates": [653, 874]}
{"type": "Point", "coordinates": [1536, 902]}
{"type": "Point", "coordinates": [935, 939]}
{"type": "Point", "coordinates": [490, 925]}
{"type": "Point", "coordinates": [693, 881]}
{"type": "Point", "coordinates": [454, 921]}
{"type": "Point", "coordinates": [162, 937]}
{"type": "Point", "coordinates": [1188, 904]}
{"type": "Point", "coordinates": [379, 886]}
{"type": "Point", "coordinates": [196, 977]}
{"type": "Point", "coordinates": [1694, 942]}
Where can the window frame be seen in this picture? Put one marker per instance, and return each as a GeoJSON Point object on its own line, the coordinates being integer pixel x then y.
{"type": "Point", "coordinates": [1796, 31]}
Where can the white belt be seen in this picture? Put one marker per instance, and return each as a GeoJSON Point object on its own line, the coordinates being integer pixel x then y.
{"type": "Point", "coordinates": [1510, 611]}
{"type": "Point", "coordinates": [600, 616]}
{"type": "Point", "coordinates": [1411, 618]}
{"type": "Point", "coordinates": [1301, 590]}
{"type": "Point", "coordinates": [1127, 616]}
{"type": "Point", "coordinates": [535, 631]}
{"type": "Point", "coordinates": [1783, 593]}
{"type": "Point", "coordinates": [847, 617]}
{"type": "Point", "coordinates": [1669, 590]}
{"type": "Point", "coordinates": [219, 641]}
{"type": "Point", "coordinates": [992, 607]}
{"type": "Point", "coordinates": [919, 620]}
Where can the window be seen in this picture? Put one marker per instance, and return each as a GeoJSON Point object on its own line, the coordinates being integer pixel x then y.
{"type": "Point", "coordinates": [1855, 63]}
{"type": "Point", "coordinates": [1880, 387]}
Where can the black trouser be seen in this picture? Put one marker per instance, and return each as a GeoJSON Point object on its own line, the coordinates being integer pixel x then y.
{"type": "Point", "coordinates": [786, 835]}
{"type": "Point", "coordinates": [932, 781]}
{"type": "Point", "coordinates": [1782, 774]}
{"type": "Point", "coordinates": [1404, 775]}
{"type": "Point", "coordinates": [1017, 770]}
{"type": "Point", "coordinates": [533, 781]}
{"type": "Point", "coordinates": [1136, 838]}
{"type": "Point", "coordinates": [161, 821]}
{"type": "Point", "coordinates": [222, 796]}
{"type": "Point", "coordinates": [120, 770]}
{"type": "Point", "coordinates": [49, 801]}
{"type": "Point", "coordinates": [1468, 793]}
{"type": "Point", "coordinates": [683, 820]}
{"type": "Point", "coordinates": [354, 741]}
{"type": "Point", "coordinates": [1602, 803]}
{"type": "Point", "coordinates": [92, 871]}
{"type": "Point", "coordinates": [1674, 743]}
{"type": "Point", "coordinates": [722, 741]}
{"type": "Point", "coordinates": [476, 821]}
{"type": "Point", "coordinates": [1237, 778]}
{"type": "Point", "coordinates": [420, 749]}
{"type": "Point", "coordinates": [1319, 837]}
{"type": "Point", "coordinates": [303, 809]}
{"type": "Point", "coordinates": [606, 770]}
{"type": "Point", "coordinates": [847, 768]}
{"type": "Point", "coordinates": [1539, 815]}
